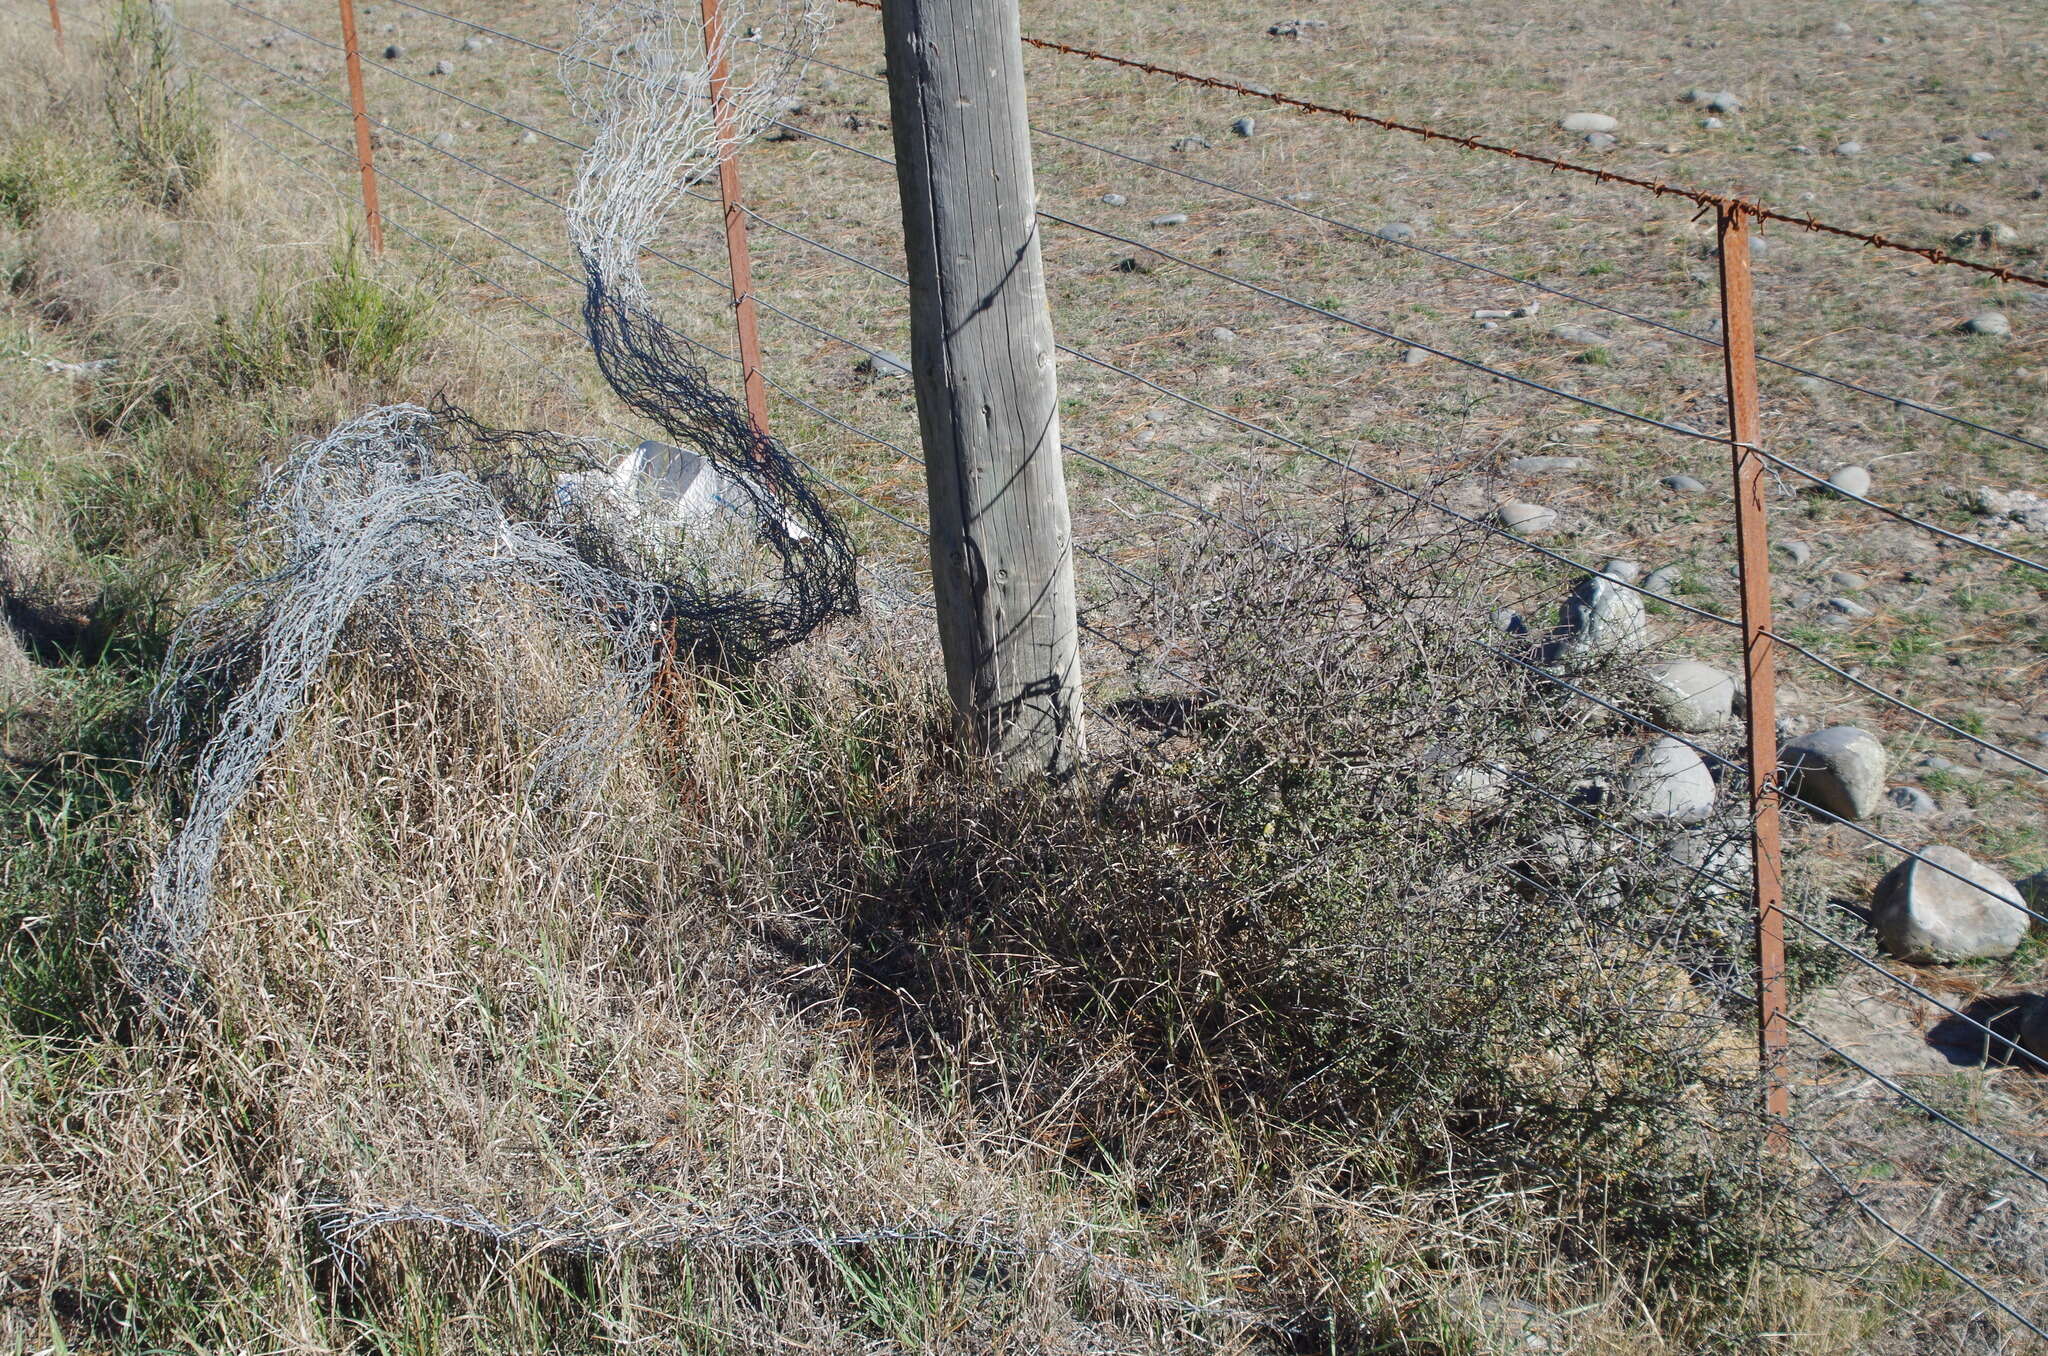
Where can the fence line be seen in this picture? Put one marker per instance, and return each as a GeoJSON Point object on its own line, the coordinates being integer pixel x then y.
{"type": "Point", "coordinates": [1740, 445]}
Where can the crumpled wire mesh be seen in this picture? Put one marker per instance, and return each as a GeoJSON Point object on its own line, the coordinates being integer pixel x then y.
{"type": "Point", "coordinates": [423, 516]}
{"type": "Point", "coordinates": [403, 525]}
{"type": "Point", "coordinates": [640, 73]}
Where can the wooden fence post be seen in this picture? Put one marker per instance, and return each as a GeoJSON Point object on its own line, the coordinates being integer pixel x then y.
{"type": "Point", "coordinates": [982, 356]}
{"type": "Point", "coordinates": [745, 315]}
{"type": "Point", "coordinates": [373, 219]}
{"type": "Point", "coordinates": [1753, 564]}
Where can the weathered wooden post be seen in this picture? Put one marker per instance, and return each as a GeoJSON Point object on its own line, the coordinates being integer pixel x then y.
{"type": "Point", "coordinates": [982, 356]}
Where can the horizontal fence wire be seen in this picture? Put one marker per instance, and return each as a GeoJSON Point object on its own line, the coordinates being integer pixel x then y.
{"type": "Point", "coordinates": [1719, 201]}
{"type": "Point", "coordinates": [1374, 237]}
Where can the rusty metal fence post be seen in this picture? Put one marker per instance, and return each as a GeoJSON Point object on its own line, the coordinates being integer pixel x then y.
{"type": "Point", "coordinates": [57, 25]}
{"type": "Point", "coordinates": [1753, 563]}
{"type": "Point", "coordinates": [373, 219]}
{"type": "Point", "coordinates": [745, 314]}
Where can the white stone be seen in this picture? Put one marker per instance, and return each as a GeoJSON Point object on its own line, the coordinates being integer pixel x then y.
{"type": "Point", "coordinates": [1851, 480]}
{"type": "Point", "coordinates": [1839, 769]}
{"type": "Point", "coordinates": [1668, 780]}
{"type": "Point", "coordinates": [1600, 617]}
{"type": "Point", "coordinates": [1531, 520]}
{"type": "Point", "coordinates": [1923, 912]}
{"type": "Point", "coordinates": [1589, 122]}
{"type": "Point", "coordinates": [1691, 696]}
{"type": "Point", "coordinates": [1992, 323]}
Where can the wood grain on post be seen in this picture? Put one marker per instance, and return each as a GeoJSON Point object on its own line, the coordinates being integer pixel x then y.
{"type": "Point", "coordinates": [982, 357]}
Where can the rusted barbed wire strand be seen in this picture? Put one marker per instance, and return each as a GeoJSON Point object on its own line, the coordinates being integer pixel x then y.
{"type": "Point", "coordinates": [1719, 201]}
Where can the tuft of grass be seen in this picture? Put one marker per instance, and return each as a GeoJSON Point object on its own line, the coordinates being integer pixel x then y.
{"type": "Point", "coordinates": [165, 139]}
{"type": "Point", "coordinates": [41, 172]}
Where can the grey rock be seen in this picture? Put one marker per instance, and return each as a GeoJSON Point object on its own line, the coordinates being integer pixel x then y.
{"type": "Point", "coordinates": [1396, 230]}
{"type": "Point", "coordinates": [1415, 357]}
{"type": "Point", "coordinates": [1840, 770]}
{"type": "Point", "coordinates": [1691, 696]}
{"type": "Point", "coordinates": [394, 53]}
{"type": "Point", "coordinates": [443, 141]}
{"type": "Point", "coordinates": [1668, 780]}
{"type": "Point", "coordinates": [1715, 101]}
{"type": "Point", "coordinates": [1510, 621]}
{"type": "Point", "coordinates": [1664, 579]}
{"type": "Point", "coordinates": [1798, 552]}
{"type": "Point", "coordinates": [1849, 148]}
{"type": "Point", "coordinates": [1992, 323]}
{"type": "Point", "coordinates": [1841, 29]}
{"type": "Point", "coordinates": [1599, 617]}
{"type": "Point", "coordinates": [1848, 607]}
{"type": "Point", "coordinates": [472, 43]}
{"type": "Point", "coordinates": [1295, 28]}
{"type": "Point", "coordinates": [1581, 334]}
{"type": "Point", "coordinates": [1245, 126]}
{"type": "Point", "coordinates": [1851, 480]}
{"type": "Point", "coordinates": [1223, 336]}
{"type": "Point", "coordinates": [1536, 466]}
{"type": "Point", "coordinates": [1924, 912]}
{"type": "Point", "coordinates": [883, 365]}
{"type": "Point", "coordinates": [2024, 507]}
{"type": "Point", "coordinates": [1712, 124]}
{"type": "Point", "coordinates": [1589, 122]}
{"type": "Point", "coordinates": [1627, 571]}
{"type": "Point", "coordinates": [1531, 520]}
{"type": "Point", "coordinates": [1114, 199]}
{"type": "Point", "coordinates": [1682, 484]}
{"type": "Point", "coordinates": [1602, 141]}
{"type": "Point", "coordinates": [1979, 158]}
{"type": "Point", "coordinates": [1191, 144]}
{"type": "Point", "coordinates": [529, 137]}
{"type": "Point", "coordinates": [444, 68]}
{"type": "Point", "coordinates": [1843, 579]}
{"type": "Point", "coordinates": [1934, 762]}
{"type": "Point", "coordinates": [1302, 195]}
{"type": "Point", "coordinates": [1169, 219]}
{"type": "Point", "coordinates": [1912, 800]}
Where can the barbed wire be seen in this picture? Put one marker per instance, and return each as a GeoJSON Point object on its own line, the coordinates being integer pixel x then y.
{"type": "Point", "coordinates": [1720, 201]}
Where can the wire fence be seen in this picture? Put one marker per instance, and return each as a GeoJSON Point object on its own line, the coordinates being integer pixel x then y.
{"type": "Point", "coordinates": [828, 285]}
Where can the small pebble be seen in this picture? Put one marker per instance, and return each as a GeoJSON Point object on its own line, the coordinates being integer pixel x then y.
{"type": "Point", "coordinates": [472, 43]}
{"type": "Point", "coordinates": [1849, 148]}
{"type": "Point", "coordinates": [1848, 607]}
{"type": "Point", "coordinates": [1712, 124]}
{"type": "Point", "coordinates": [1397, 231]}
{"type": "Point", "coordinates": [1682, 484]}
{"type": "Point", "coordinates": [1245, 126]}
{"type": "Point", "coordinates": [1992, 323]}
{"type": "Point", "coordinates": [1223, 336]}
{"type": "Point", "coordinates": [1627, 571]}
{"type": "Point", "coordinates": [1536, 466]}
{"type": "Point", "coordinates": [529, 137]}
{"type": "Point", "coordinates": [394, 53]}
{"type": "Point", "coordinates": [1589, 122]}
{"type": "Point", "coordinates": [1934, 762]}
{"type": "Point", "coordinates": [1114, 199]}
{"type": "Point", "coordinates": [444, 68]}
{"type": "Point", "coordinates": [1664, 579]}
{"type": "Point", "coordinates": [443, 141]}
{"type": "Point", "coordinates": [1851, 480]}
{"type": "Point", "coordinates": [1415, 357]}
{"type": "Point", "coordinates": [1798, 552]}
{"type": "Point", "coordinates": [1979, 158]}
{"type": "Point", "coordinates": [1912, 800]}
{"type": "Point", "coordinates": [1848, 581]}
{"type": "Point", "coordinates": [1170, 219]}
{"type": "Point", "coordinates": [1303, 196]}
{"type": "Point", "coordinates": [1602, 141]}
{"type": "Point", "coordinates": [1191, 144]}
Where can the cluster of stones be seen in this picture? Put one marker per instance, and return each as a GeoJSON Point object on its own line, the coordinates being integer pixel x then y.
{"type": "Point", "coordinates": [1938, 906]}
